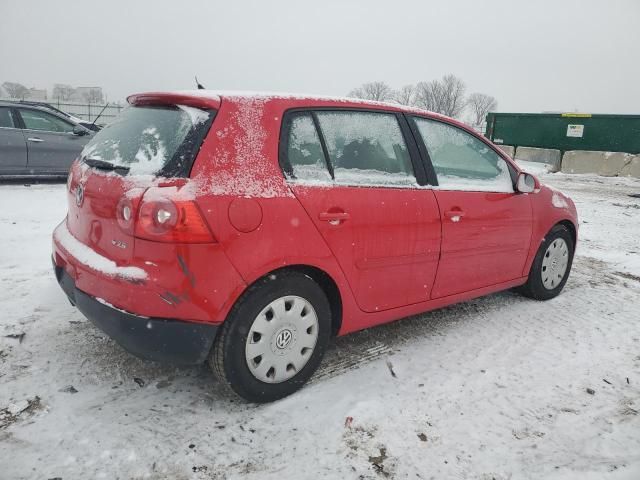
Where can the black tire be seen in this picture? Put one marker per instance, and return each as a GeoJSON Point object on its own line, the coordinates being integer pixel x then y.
{"type": "Point", "coordinates": [227, 357]}
{"type": "Point", "coordinates": [534, 288]}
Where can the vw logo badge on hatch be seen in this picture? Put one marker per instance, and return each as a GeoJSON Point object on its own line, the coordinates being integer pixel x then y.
{"type": "Point", "coordinates": [79, 195]}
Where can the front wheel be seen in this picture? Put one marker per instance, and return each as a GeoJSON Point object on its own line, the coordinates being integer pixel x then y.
{"type": "Point", "coordinates": [274, 338]}
{"type": "Point", "coordinates": [550, 269]}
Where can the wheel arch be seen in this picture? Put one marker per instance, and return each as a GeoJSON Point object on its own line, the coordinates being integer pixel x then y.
{"type": "Point", "coordinates": [323, 279]}
{"type": "Point", "coordinates": [539, 236]}
{"type": "Point", "coordinates": [572, 229]}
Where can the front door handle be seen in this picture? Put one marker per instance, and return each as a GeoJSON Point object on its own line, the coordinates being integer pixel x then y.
{"type": "Point", "coordinates": [35, 139]}
{"type": "Point", "coordinates": [334, 218]}
{"type": "Point", "coordinates": [454, 215]}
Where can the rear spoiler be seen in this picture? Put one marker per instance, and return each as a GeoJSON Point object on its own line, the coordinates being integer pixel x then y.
{"type": "Point", "coordinates": [197, 100]}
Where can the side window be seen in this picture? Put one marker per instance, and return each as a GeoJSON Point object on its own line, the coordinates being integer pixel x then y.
{"type": "Point", "coordinates": [461, 161]}
{"type": "Point", "coordinates": [37, 120]}
{"type": "Point", "coordinates": [304, 150]}
{"type": "Point", "coordinates": [6, 120]}
{"type": "Point", "coordinates": [366, 148]}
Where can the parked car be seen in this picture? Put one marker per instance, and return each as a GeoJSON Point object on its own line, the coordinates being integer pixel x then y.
{"type": "Point", "coordinates": [93, 126]}
{"type": "Point", "coordinates": [246, 230]}
{"type": "Point", "coordinates": [38, 142]}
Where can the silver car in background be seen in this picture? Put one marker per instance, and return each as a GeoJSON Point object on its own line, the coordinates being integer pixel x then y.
{"type": "Point", "coordinates": [35, 141]}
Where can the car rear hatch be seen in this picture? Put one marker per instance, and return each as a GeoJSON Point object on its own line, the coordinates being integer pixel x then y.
{"type": "Point", "coordinates": [152, 142]}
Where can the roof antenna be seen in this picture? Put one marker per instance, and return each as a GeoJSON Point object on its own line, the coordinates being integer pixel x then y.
{"type": "Point", "coordinates": [200, 87]}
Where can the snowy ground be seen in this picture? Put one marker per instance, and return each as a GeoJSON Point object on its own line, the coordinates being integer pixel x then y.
{"type": "Point", "coordinates": [494, 388]}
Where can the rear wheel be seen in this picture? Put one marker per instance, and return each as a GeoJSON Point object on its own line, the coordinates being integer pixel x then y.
{"type": "Point", "coordinates": [274, 337]}
{"type": "Point", "coordinates": [552, 265]}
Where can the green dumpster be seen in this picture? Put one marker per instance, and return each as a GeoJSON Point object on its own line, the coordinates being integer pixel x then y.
{"type": "Point", "coordinates": [566, 131]}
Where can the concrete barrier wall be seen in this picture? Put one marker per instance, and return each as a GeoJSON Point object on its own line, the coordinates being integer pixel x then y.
{"type": "Point", "coordinates": [508, 149]}
{"type": "Point", "coordinates": [548, 156]}
{"type": "Point", "coordinates": [632, 169]}
{"type": "Point", "coordinates": [608, 164]}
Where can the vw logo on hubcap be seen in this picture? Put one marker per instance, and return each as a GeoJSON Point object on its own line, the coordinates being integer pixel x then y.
{"type": "Point", "coordinates": [79, 195]}
{"type": "Point", "coordinates": [283, 339]}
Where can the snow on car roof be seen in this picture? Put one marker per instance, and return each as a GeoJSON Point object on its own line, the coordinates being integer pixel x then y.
{"type": "Point", "coordinates": [217, 94]}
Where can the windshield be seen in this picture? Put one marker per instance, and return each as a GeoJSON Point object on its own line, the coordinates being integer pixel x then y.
{"type": "Point", "coordinates": [152, 140]}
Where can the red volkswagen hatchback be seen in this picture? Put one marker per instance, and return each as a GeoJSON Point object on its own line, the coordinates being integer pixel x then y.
{"type": "Point", "coordinates": [247, 229]}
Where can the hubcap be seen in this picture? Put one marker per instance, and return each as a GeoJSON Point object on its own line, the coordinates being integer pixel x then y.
{"type": "Point", "coordinates": [554, 263]}
{"type": "Point", "coordinates": [282, 339]}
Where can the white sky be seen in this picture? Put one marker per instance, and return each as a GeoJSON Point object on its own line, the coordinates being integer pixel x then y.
{"type": "Point", "coordinates": [531, 55]}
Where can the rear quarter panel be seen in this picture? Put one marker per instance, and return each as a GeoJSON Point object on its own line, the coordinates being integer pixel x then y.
{"type": "Point", "coordinates": [246, 201]}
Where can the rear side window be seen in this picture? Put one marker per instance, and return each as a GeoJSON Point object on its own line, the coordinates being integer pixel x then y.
{"type": "Point", "coordinates": [363, 148]}
{"type": "Point", "coordinates": [304, 150]}
{"type": "Point", "coordinates": [366, 148]}
{"type": "Point", "coordinates": [152, 140]}
{"type": "Point", "coordinates": [461, 161]}
{"type": "Point", "coordinates": [6, 120]}
{"type": "Point", "coordinates": [37, 120]}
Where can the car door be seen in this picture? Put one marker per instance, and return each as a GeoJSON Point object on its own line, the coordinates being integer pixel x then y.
{"type": "Point", "coordinates": [13, 147]}
{"type": "Point", "coordinates": [51, 143]}
{"type": "Point", "coordinates": [354, 174]}
{"type": "Point", "coordinates": [486, 225]}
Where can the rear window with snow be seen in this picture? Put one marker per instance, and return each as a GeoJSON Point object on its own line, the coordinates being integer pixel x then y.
{"type": "Point", "coordinates": [363, 148]}
{"type": "Point", "coordinates": [461, 161]}
{"type": "Point", "coordinates": [152, 140]}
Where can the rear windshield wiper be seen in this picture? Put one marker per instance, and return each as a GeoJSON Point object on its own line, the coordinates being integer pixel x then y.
{"type": "Point", "coordinates": [104, 165]}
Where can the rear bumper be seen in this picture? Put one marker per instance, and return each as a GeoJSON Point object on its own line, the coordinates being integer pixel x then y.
{"type": "Point", "coordinates": [188, 282]}
{"type": "Point", "coordinates": [160, 339]}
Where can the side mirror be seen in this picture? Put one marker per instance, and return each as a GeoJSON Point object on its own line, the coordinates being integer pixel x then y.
{"type": "Point", "coordinates": [80, 131]}
{"type": "Point", "coordinates": [527, 183]}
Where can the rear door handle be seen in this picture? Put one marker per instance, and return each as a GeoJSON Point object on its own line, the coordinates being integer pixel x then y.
{"type": "Point", "coordinates": [334, 218]}
{"type": "Point", "coordinates": [454, 215]}
{"type": "Point", "coordinates": [35, 139]}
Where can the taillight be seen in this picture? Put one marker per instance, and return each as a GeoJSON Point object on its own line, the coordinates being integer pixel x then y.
{"type": "Point", "coordinates": [164, 219]}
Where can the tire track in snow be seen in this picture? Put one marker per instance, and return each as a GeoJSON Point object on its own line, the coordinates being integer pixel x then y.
{"type": "Point", "coordinates": [482, 317]}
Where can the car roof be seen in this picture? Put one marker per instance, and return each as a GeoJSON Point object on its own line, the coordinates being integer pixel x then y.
{"type": "Point", "coordinates": [27, 104]}
{"type": "Point", "coordinates": [213, 98]}
{"type": "Point", "coordinates": [41, 108]}
{"type": "Point", "coordinates": [45, 105]}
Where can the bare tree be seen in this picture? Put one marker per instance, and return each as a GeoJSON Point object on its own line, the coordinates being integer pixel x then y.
{"type": "Point", "coordinates": [406, 95]}
{"type": "Point", "coordinates": [62, 91]}
{"type": "Point", "coordinates": [444, 96]}
{"type": "Point", "coordinates": [378, 91]}
{"type": "Point", "coordinates": [480, 104]}
{"type": "Point", "coordinates": [93, 95]}
{"type": "Point", "coordinates": [454, 90]}
{"type": "Point", "coordinates": [15, 90]}
{"type": "Point", "coordinates": [426, 95]}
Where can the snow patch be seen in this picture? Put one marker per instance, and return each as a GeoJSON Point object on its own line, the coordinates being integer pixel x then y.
{"type": "Point", "coordinates": [88, 257]}
{"type": "Point", "coordinates": [451, 182]}
{"type": "Point", "coordinates": [558, 200]}
{"type": "Point", "coordinates": [534, 168]}
{"type": "Point", "coordinates": [270, 95]}
{"type": "Point", "coordinates": [195, 114]}
{"type": "Point", "coordinates": [110, 305]}
{"type": "Point", "coordinates": [248, 178]}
